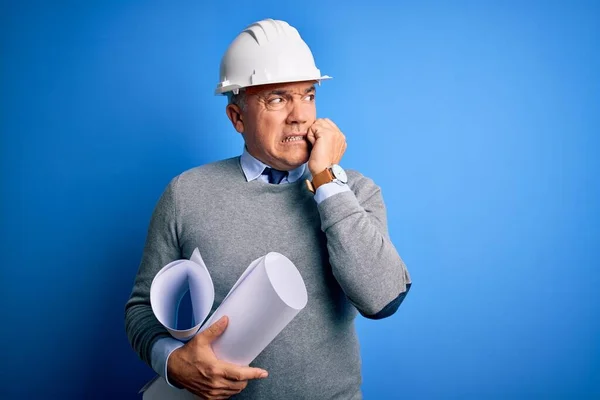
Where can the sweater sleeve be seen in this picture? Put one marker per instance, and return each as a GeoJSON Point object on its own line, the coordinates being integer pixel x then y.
{"type": "Point", "coordinates": [363, 259]}
{"type": "Point", "coordinates": [161, 247]}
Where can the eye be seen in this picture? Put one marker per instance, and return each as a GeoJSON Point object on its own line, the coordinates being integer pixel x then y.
{"type": "Point", "coordinates": [310, 97]}
{"type": "Point", "coordinates": [276, 100]}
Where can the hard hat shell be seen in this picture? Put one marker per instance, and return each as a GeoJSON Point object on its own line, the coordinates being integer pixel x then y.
{"type": "Point", "coordinates": [267, 51]}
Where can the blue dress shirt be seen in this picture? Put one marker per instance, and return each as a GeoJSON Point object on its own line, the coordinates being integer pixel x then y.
{"type": "Point", "coordinates": [253, 170]}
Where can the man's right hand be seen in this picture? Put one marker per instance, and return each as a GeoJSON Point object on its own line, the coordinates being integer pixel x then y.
{"type": "Point", "coordinates": [195, 367]}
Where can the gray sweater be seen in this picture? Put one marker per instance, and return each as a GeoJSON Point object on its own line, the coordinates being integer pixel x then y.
{"type": "Point", "coordinates": [340, 246]}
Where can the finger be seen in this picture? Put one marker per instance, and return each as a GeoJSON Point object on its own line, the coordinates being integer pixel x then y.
{"type": "Point", "coordinates": [237, 373]}
{"type": "Point", "coordinates": [229, 384]}
{"type": "Point", "coordinates": [201, 390]}
{"type": "Point", "coordinates": [321, 123]}
{"type": "Point", "coordinates": [331, 124]}
{"type": "Point", "coordinates": [219, 394]}
{"type": "Point", "coordinates": [310, 135]}
{"type": "Point", "coordinates": [216, 394]}
{"type": "Point", "coordinates": [327, 125]}
{"type": "Point", "coordinates": [319, 128]}
{"type": "Point", "coordinates": [214, 331]}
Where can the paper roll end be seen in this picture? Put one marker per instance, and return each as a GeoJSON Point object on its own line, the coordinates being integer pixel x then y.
{"type": "Point", "coordinates": [286, 280]}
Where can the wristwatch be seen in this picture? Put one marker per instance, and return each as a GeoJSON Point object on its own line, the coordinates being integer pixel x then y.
{"type": "Point", "coordinates": [333, 173]}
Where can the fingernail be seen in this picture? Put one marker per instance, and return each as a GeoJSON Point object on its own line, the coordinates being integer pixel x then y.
{"type": "Point", "coordinates": [264, 374]}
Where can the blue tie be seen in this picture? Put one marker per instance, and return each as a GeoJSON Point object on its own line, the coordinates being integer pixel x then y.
{"type": "Point", "coordinates": [275, 176]}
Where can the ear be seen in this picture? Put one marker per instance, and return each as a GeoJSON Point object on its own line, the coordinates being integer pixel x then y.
{"type": "Point", "coordinates": [235, 116]}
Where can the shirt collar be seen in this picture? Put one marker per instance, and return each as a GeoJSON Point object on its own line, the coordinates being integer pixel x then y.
{"type": "Point", "coordinates": [253, 168]}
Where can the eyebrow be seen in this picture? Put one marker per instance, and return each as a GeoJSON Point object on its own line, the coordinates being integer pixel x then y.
{"type": "Point", "coordinates": [281, 92]}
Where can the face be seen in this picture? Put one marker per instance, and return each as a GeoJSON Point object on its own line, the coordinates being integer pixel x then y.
{"type": "Point", "coordinates": [275, 121]}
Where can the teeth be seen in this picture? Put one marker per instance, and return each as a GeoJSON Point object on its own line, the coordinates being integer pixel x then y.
{"type": "Point", "coordinates": [293, 138]}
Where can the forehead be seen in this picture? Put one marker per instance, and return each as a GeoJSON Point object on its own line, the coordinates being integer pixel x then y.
{"type": "Point", "coordinates": [291, 87]}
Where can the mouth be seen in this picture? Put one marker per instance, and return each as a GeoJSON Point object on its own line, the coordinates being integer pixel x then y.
{"type": "Point", "coordinates": [300, 137]}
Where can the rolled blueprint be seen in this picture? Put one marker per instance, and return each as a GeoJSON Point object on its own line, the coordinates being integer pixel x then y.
{"type": "Point", "coordinates": [170, 285]}
{"type": "Point", "coordinates": [264, 300]}
{"type": "Point", "coordinates": [259, 306]}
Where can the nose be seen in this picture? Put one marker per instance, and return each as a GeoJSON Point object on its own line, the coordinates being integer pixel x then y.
{"type": "Point", "coordinates": [298, 113]}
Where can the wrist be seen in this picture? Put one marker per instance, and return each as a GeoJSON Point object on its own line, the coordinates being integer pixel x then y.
{"type": "Point", "coordinates": [173, 368]}
{"type": "Point", "coordinates": [317, 170]}
{"type": "Point", "coordinates": [332, 173]}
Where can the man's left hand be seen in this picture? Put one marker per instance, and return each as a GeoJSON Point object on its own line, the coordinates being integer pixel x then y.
{"type": "Point", "coordinates": [328, 145]}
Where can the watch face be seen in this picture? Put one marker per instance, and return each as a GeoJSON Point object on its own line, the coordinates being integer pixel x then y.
{"type": "Point", "coordinates": [339, 173]}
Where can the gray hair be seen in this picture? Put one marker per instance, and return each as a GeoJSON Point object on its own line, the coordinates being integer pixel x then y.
{"type": "Point", "coordinates": [237, 99]}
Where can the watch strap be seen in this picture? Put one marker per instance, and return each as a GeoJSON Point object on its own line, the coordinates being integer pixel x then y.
{"type": "Point", "coordinates": [320, 179]}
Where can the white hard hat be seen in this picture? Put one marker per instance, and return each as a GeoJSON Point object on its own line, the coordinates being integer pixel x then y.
{"type": "Point", "coordinates": [268, 51]}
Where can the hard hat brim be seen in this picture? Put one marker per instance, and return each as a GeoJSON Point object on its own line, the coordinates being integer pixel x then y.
{"type": "Point", "coordinates": [222, 90]}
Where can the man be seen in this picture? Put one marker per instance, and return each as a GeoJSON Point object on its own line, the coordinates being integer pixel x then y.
{"type": "Point", "coordinates": [239, 209]}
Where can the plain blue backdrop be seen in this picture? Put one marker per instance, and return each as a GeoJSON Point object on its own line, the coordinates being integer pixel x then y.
{"type": "Point", "coordinates": [480, 121]}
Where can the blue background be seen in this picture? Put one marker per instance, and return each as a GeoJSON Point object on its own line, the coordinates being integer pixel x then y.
{"type": "Point", "coordinates": [479, 120]}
